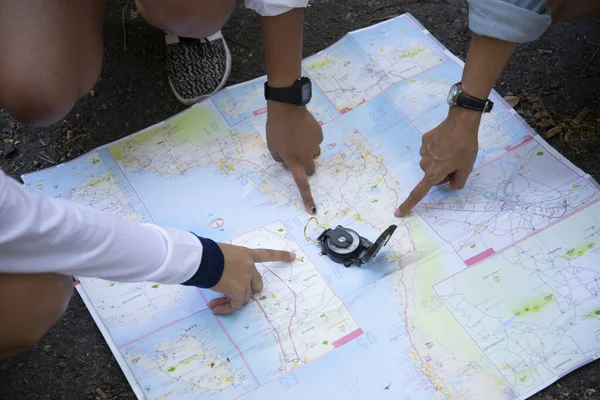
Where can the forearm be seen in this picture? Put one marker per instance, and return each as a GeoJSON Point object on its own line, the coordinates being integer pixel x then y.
{"type": "Point", "coordinates": [40, 234]}
{"type": "Point", "coordinates": [485, 61]}
{"type": "Point", "coordinates": [282, 37]}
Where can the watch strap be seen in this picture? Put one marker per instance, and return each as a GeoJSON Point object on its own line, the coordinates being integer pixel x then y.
{"type": "Point", "coordinates": [298, 94]}
{"type": "Point", "coordinates": [473, 103]}
{"type": "Point", "coordinates": [283, 95]}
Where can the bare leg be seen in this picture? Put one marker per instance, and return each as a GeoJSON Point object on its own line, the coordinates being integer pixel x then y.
{"type": "Point", "coordinates": [187, 18]}
{"type": "Point", "coordinates": [50, 56]}
{"type": "Point", "coordinates": [29, 306]}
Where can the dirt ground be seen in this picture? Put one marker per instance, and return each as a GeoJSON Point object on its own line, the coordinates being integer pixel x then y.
{"type": "Point", "coordinates": [556, 79]}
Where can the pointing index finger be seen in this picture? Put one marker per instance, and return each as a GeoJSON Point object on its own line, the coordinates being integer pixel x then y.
{"type": "Point", "coordinates": [417, 194]}
{"type": "Point", "coordinates": [301, 179]}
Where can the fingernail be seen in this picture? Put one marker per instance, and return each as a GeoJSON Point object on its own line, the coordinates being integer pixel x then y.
{"type": "Point", "coordinates": [313, 209]}
{"type": "Point", "coordinates": [292, 255]}
{"type": "Point", "coordinates": [397, 213]}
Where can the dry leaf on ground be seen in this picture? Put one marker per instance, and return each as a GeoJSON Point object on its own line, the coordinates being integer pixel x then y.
{"type": "Point", "coordinates": [512, 100]}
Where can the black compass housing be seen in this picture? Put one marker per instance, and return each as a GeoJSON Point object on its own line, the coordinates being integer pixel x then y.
{"type": "Point", "coordinates": [345, 246]}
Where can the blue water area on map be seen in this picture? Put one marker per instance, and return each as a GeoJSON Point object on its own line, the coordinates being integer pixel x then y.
{"type": "Point", "coordinates": [77, 174]}
{"type": "Point", "coordinates": [193, 200]}
{"type": "Point", "coordinates": [132, 310]}
{"type": "Point", "coordinates": [320, 107]}
{"type": "Point", "coordinates": [257, 339]}
{"type": "Point", "coordinates": [54, 182]}
{"type": "Point", "coordinates": [350, 58]}
{"type": "Point", "coordinates": [384, 132]}
{"type": "Point", "coordinates": [423, 99]}
{"type": "Point", "coordinates": [240, 102]}
{"type": "Point", "coordinates": [157, 360]}
{"type": "Point", "coordinates": [388, 133]}
{"type": "Point", "coordinates": [400, 33]}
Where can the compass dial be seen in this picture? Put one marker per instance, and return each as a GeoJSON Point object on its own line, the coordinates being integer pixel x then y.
{"type": "Point", "coordinates": [344, 250]}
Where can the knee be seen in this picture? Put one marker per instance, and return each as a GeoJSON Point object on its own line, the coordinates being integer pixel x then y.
{"type": "Point", "coordinates": [36, 108]}
{"type": "Point", "coordinates": [187, 18]}
{"type": "Point", "coordinates": [24, 328]}
{"type": "Point", "coordinates": [52, 311]}
{"type": "Point", "coordinates": [39, 100]}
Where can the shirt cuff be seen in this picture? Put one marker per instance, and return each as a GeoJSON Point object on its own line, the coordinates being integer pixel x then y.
{"type": "Point", "coordinates": [211, 267]}
{"type": "Point", "coordinates": [515, 21]}
{"type": "Point", "coordinates": [271, 8]}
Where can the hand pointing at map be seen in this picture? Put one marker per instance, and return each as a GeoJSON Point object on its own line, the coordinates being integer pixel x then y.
{"type": "Point", "coordinates": [240, 278]}
{"type": "Point", "coordinates": [449, 151]}
{"type": "Point", "coordinates": [448, 154]}
{"type": "Point", "coordinates": [293, 134]}
{"type": "Point", "coordinates": [293, 137]}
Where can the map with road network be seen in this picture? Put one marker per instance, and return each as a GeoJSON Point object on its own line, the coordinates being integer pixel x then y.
{"type": "Point", "coordinates": [489, 292]}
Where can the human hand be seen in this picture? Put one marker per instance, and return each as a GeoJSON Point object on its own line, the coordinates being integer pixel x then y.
{"type": "Point", "coordinates": [240, 278]}
{"type": "Point", "coordinates": [293, 137]}
{"type": "Point", "coordinates": [448, 154]}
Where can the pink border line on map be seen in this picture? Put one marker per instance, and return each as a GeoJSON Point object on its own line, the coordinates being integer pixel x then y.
{"type": "Point", "coordinates": [479, 257]}
{"type": "Point", "coordinates": [526, 139]}
{"type": "Point", "coordinates": [291, 318]}
{"type": "Point", "coordinates": [272, 327]}
{"type": "Point", "coordinates": [160, 328]}
{"type": "Point", "coordinates": [322, 277]}
{"type": "Point", "coordinates": [527, 237]}
{"type": "Point", "coordinates": [582, 208]}
{"type": "Point", "coordinates": [132, 187]}
{"type": "Point", "coordinates": [509, 149]}
{"type": "Point", "coordinates": [337, 344]}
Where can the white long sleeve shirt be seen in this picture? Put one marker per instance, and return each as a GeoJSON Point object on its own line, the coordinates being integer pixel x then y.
{"type": "Point", "coordinates": [268, 8]}
{"type": "Point", "coordinates": [41, 234]}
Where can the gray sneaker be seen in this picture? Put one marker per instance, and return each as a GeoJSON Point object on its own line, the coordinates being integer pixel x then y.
{"type": "Point", "coordinates": [197, 68]}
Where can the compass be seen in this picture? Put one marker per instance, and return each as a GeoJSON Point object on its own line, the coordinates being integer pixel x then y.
{"type": "Point", "coordinates": [345, 246]}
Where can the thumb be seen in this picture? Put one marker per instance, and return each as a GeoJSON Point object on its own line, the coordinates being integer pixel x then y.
{"type": "Point", "coordinates": [227, 307]}
{"type": "Point", "coordinates": [459, 178]}
{"type": "Point", "coordinates": [256, 282]}
{"type": "Point", "coordinates": [309, 165]}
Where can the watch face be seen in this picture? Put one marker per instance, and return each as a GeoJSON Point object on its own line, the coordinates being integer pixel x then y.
{"type": "Point", "coordinates": [452, 94]}
{"type": "Point", "coordinates": [306, 92]}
